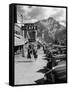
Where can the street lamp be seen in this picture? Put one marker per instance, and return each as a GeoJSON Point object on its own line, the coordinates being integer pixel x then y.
{"type": "Point", "coordinates": [22, 31]}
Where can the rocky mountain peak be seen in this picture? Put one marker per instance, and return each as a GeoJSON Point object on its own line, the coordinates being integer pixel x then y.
{"type": "Point", "coordinates": [50, 27]}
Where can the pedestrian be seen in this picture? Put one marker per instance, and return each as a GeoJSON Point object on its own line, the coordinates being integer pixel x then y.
{"type": "Point", "coordinates": [44, 48]}
{"type": "Point", "coordinates": [29, 52]}
{"type": "Point", "coordinates": [35, 52]}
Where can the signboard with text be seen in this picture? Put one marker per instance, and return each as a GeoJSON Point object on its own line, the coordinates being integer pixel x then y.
{"type": "Point", "coordinates": [29, 27]}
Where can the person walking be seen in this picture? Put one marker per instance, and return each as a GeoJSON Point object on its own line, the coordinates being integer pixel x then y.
{"type": "Point", "coordinates": [29, 52]}
{"type": "Point", "coordinates": [35, 52]}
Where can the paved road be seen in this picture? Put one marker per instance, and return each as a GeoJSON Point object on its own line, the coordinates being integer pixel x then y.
{"type": "Point", "coordinates": [26, 69]}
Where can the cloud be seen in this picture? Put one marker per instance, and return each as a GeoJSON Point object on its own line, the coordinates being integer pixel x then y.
{"type": "Point", "coordinates": [59, 14]}
{"type": "Point", "coordinates": [34, 13]}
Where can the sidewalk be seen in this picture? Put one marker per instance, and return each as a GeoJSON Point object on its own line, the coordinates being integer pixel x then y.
{"type": "Point", "coordinates": [26, 72]}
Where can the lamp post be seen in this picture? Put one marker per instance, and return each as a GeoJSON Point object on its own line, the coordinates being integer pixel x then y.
{"type": "Point", "coordinates": [22, 35]}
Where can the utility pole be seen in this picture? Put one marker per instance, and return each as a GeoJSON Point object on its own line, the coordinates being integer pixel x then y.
{"type": "Point", "coordinates": [22, 35]}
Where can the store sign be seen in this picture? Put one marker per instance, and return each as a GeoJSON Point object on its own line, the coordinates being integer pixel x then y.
{"type": "Point", "coordinates": [29, 27]}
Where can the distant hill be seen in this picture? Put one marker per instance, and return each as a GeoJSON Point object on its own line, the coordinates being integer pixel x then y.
{"type": "Point", "coordinates": [52, 30]}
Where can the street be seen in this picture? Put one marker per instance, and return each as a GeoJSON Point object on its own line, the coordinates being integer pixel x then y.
{"type": "Point", "coordinates": [26, 69]}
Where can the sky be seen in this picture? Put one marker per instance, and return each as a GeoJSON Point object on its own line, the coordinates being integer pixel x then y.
{"type": "Point", "coordinates": [32, 14]}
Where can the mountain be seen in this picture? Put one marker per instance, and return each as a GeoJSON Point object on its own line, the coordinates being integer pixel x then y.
{"type": "Point", "coordinates": [52, 30]}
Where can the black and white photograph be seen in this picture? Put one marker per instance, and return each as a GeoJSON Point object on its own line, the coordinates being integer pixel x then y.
{"type": "Point", "coordinates": [40, 45]}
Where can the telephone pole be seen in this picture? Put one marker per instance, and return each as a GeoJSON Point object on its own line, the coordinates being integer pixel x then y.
{"type": "Point", "coordinates": [22, 35]}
